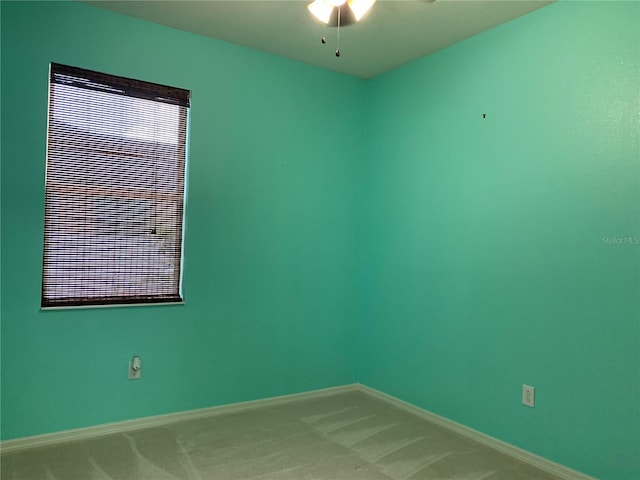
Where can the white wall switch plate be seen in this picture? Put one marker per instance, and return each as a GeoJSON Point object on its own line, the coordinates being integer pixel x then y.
{"type": "Point", "coordinates": [528, 396]}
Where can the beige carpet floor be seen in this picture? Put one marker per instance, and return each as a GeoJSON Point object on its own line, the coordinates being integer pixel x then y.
{"type": "Point", "coordinates": [349, 436]}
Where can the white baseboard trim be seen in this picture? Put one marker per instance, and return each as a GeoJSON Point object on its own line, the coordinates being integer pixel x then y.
{"type": "Point", "coordinates": [541, 463]}
{"type": "Point", "coordinates": [18, 444]}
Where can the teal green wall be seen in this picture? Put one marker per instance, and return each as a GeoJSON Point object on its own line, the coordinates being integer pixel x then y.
{"type": "Point", "coordinates": [269, 265]}
{"type": "Point", "coordinates": [482, 239]}
{"type": "Point", "coordinates": [435, 255]}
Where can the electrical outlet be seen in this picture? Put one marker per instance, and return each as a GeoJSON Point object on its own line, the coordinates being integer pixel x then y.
{"type": "Point", "coordinates": [528, 396]}
{"type": "Point", "coordinates": [135, 368]}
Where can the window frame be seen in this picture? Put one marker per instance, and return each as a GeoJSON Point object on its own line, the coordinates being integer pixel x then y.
{"type": "Point", "coordinates": [136, 89]}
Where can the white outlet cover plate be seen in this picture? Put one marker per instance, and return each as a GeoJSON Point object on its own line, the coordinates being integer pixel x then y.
{"type": "Point", "coordinates": [528, 396]}
{"type": "Point", "coordinates": [133, 374]}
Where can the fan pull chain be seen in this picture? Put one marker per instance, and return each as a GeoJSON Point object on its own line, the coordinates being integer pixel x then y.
{"type": "Point", "coordinates": [338, 49]}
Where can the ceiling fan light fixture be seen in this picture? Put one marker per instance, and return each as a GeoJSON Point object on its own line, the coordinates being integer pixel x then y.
{"type": "Point", "coordinates": [360, 7]}
{"type": "Point", "coordinates": [321, 10]}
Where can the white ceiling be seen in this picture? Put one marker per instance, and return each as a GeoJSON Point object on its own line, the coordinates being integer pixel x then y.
{"type": "Point", "coordinates": [393, 33]}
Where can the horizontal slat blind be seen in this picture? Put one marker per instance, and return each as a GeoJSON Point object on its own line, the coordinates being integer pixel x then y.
{"type": "Point", "coordinates": [114, 190]}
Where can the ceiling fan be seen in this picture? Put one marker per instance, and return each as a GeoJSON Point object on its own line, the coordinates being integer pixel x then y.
{"type": "Point", "coordinates": [330, 12]}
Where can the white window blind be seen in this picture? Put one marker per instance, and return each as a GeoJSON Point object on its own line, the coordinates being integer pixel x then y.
{"type": "Point", "coordinates": [114, 199]}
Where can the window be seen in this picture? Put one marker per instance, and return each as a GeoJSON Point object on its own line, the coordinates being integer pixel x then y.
{"type": "Point", "coordinates": [115, 182]}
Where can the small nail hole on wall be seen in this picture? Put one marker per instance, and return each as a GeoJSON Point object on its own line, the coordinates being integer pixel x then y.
{"type": "Point", "coordinates": [484, 115]}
